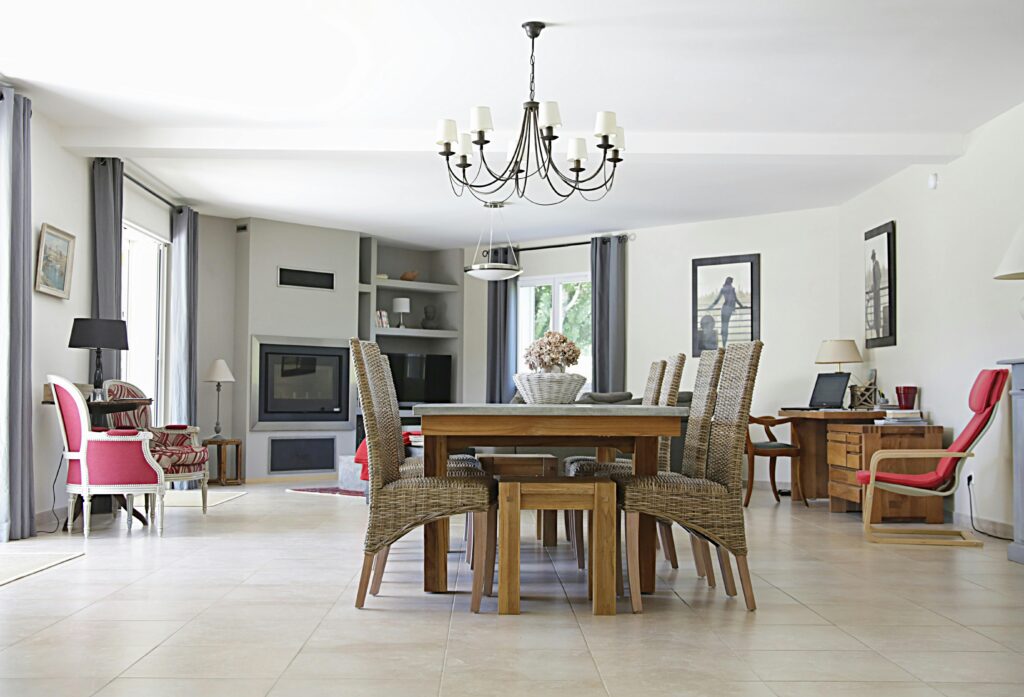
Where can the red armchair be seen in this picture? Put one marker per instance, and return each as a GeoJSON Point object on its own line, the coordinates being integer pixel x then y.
{"type": "Point", "coordinates": [116, 461]}
{"type": "Point", "coordinates": [175, 447]}
{"type": "Point", "coordinates": [944, 480]}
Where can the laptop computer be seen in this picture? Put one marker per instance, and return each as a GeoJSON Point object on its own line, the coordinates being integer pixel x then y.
{"type": "Point", "coordinates": [829, 391]}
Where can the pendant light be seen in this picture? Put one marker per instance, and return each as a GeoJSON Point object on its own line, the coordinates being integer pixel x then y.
{"type": "Point", "coordinates": [490, 270]}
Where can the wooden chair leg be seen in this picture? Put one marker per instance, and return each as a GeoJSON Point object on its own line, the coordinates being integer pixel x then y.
{"type": "Point", "coordinates": [378, 570]}
{"type": "Point", "coordinates": [540, 524]}
{"type": "Point", "coordinates": [698, 555]}
{"type": "Point", "coordinates": [567, 520]}
{"type": "Point", "coordinates": [709, 569]}
{"type": "Point", "coordinates": [620, 588]}
{"type": "Point", "coordinates": [364, 579]}
{"type": "Point", "coordinates": [748, 589]}
{"type": "Point", "coordinates": [668, 543]}
{"type": "Point", "coordinates": [633, 560]}
{"type": "Point", "coordinates": [771, 478]}
{"type": "Point", "coordinates": [590, 550]}
{"type": "Point", "coordinates": [577, 539]}
{"type": "Point", "coordinates": [750, 478]}
{"type": "Point", "coordinates": [479, 553]}
{"type": "Point", "coordinates": [470, 547]}
{"type": "Point", "coordinates": [492, 549]}
{"type": "Point", "coordinates": [726, 566]}
{"type": "Point", "coordinates": [797, 487]}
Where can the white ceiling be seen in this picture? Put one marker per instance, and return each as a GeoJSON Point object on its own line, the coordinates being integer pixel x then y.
{"type": "Point", "coordinates": [323, 111]}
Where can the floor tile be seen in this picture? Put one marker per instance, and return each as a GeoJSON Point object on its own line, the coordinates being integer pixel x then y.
{"type": "Point", "coordinates": [185, 687]}
{"type": "Point", "coordinates": [828, 666]}
{"type": "Point", "coordinates": [976, 667]}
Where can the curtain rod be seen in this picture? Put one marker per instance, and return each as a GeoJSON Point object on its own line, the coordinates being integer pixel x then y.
{"type": "Point", "coordinates": [149, 191]}
{"type": "Point", "coordinates": [569, 244]}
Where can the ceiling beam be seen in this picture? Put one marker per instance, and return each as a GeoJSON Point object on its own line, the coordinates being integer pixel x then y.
{"type": "Point", "coordinates": [323, 142]}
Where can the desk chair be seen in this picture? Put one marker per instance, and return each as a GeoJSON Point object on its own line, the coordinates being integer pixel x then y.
{"type": "Point", "coordinates": [773, 448]}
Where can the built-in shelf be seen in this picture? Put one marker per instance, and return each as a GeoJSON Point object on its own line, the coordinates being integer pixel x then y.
{"type": "Point", "coordinates": [365, 287]}
{"type": "Point", "coordinates": [419, 286]}
{"type": "Point", "coordinates": [418, 333]}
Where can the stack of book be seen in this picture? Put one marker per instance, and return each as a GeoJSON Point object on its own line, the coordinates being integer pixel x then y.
{"type": "Point", "coordinates": [416, 440]}
{"type": "Point", "coordinates": [903, 417]}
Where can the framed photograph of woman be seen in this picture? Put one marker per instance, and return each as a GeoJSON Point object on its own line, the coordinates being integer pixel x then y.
{"type": "Point", "coordinates": [726, 301]}
{"type": "Point", "coordinates": [880, 286]}
{"type": "Point", "coordinates": [56, 261]}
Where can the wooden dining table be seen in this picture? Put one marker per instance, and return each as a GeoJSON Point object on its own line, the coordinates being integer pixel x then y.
{"type": "Point", "coordinates": [608, 428]}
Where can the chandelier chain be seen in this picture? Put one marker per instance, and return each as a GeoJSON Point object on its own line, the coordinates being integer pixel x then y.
{"type": "Point", "coordinates": [532, 64]}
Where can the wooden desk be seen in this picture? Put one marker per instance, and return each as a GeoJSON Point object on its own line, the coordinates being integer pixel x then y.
{"type": "Point", "coordinates": [850, 447]}
{"type": "Point", "coordinates": [633, 428]}
{"type": "Point", "coordinates": [812, 429]}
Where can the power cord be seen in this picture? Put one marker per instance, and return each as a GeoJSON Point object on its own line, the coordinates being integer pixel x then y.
{"type": "Point", "coordinates": [53, 494]}
{"type": "Point", "coordinates": [970, 503]}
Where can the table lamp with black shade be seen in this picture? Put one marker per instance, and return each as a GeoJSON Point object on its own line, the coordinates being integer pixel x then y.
{"type": "Point", "coordinates": [99, 334]}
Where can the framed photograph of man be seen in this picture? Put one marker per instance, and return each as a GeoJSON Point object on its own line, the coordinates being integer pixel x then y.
{"type": "Point", "coordinates": [56, 261]}
{"type": "Point", "coordinates": [880, 286]}
{"type": "Point", "coordinates": [726, 301]}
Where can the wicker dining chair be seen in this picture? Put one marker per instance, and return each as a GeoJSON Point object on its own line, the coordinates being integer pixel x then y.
{"type": "Point", "coordinates": [709, 506]}
{"type": "Point", "coordinates": [399, 505]}
{"type": "Point", "coordinates": [662, 389]}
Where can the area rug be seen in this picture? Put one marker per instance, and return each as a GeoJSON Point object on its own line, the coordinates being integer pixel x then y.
{"type": "Point", "coordinates": [19, 565]}
{"type": "Point", "coordinates": [329, 491]}
{"type": "Point", "coordinates": [192, 498]}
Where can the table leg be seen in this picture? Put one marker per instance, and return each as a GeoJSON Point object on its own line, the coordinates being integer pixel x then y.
{"type": "Point", "coordinates": [435, 534]}
{"type": "Point", "coordinates": [813, 437]}
{"type": "Point", "coordinates": [508, 548]}
{"type": "Point", "coordinates": [602, 548]}
{"type": "Point", "coordinates": [222, 475]}
{"type": "Point", "coordinates": [645, 464]}
{"type": "Point", "coordinates": [549, 528]}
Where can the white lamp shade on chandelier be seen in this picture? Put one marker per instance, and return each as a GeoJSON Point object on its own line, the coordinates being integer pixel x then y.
{"type": "Point", "coordinates": [480, 119]}
{"type": "Point", "coordinates": [548, 115]}
{"type": "Point", "coordinates": [838, 351]}
{"type": "Point", "coordinates": [605, 124]}
{"type": "Point", "coordinates": [447, 132]}
{"type": "Point", "coordinates": [619, 139]}
{"type": "Point", "coordinates": [577, 149]}
{"type": "Point", "coordinates": [219, 372]}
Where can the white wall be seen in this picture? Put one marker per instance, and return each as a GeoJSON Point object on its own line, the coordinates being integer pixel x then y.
{"type": "Point", "coordinates": [291, 312]}
{"type": "Point", "coordinates": [216, 319]}
{"type": "Point", "coordinates": [146, 211]}
{"type": "Point", "coordinates": [952, 318]}
{"type": "Point", "coordinates": [60, 197]}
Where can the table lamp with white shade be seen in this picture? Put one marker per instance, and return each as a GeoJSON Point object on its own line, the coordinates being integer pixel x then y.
{"type": "Point", "coordinates": [400, 306]}
{"type": "Point", "coordinates": [1012, 266]}
{"type": "Point", "coordinates": [218, 373]}
{"type": "Point", "coordinates": [838, 351]}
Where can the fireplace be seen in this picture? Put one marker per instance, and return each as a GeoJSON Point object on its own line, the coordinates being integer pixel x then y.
{"type": "Point", "coordinates": [301, 383]}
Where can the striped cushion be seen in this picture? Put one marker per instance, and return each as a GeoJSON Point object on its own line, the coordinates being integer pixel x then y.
{"type": "Point", "coordinates": [176, 457]}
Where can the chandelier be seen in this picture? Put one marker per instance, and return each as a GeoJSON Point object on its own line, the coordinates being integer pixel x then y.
{"type": "Point", "coordinates": [530, 156]}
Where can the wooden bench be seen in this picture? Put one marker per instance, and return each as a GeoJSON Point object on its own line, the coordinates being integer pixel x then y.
{"type": "Point", "coordinates": [596, 494]}
{"type": "Point", "coordinates": [528, 465]}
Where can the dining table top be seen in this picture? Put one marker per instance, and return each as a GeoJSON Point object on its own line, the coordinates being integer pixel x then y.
{"type": "Point", "coordinates": [547, 410]}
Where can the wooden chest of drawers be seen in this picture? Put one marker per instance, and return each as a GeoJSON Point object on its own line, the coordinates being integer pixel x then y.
{"type": "Point", "coordinates": [850, 447]}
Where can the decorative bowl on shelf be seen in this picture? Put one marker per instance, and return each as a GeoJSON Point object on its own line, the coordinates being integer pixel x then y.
{"type": "Point", "coordinates": [409, 276]}
{"type": "Point", "coordinates": [549, 388]}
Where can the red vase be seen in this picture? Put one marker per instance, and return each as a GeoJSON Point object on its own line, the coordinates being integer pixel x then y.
{"type": "Point", "coordinates": [906, 395]}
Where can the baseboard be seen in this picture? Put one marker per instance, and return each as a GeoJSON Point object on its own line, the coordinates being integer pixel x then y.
{"type": "Point", "coordinates": [286, 478]}
{"type": "Point", "coordinates": [991, 527]}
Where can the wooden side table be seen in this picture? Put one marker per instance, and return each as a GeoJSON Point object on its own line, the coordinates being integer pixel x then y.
{"type": "Point", "coordinates": [528, 465]}
{"type": "Point", "coordinates": [221, 444]}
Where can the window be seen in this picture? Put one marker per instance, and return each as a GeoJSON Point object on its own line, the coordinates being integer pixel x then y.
{"type": "Point", "coordinates": [143, 307]}
{"type": "Point", "coordinates": [560, 304]}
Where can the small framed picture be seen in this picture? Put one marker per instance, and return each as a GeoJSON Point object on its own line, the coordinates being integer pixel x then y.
{"type": "Point", "coordinates": [726, 300]}
{"type": "Point", "coordinates": [880, 286]}
{"type": "Point", "coordinates": [56, 261]}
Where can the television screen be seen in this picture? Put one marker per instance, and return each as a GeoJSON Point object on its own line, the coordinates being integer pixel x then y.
{"type": "Point", "coordinates": [421, 378]}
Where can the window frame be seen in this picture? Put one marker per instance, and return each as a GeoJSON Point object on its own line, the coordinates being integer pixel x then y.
{"type": "Point", "coordinates": [555, 281]}
{"type": "Point", "coordinates": [163, 301]}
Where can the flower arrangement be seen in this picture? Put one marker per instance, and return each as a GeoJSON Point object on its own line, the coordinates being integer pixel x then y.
{"type": "Point", "coordinates": [552, 351]}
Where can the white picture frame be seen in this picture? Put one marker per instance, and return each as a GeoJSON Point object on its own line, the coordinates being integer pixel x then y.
{"type": "Point", "coordinates": [55, 261]}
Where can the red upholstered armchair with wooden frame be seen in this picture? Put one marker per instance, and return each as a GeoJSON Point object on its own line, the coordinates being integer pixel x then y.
{"type": "Point", "coordinates": [116, 461]}
{"type": "Point", "coordinates": [175, 447]}
{"type": "Point", "coordinates": [944, 480]}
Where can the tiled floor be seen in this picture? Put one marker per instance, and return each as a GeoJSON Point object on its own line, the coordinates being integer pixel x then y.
{"type": "Point", "coordinates": [256, 599]}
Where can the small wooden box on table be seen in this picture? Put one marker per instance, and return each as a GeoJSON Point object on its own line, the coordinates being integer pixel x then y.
{"type": "Point", "coordinates": [850, 447]}
{"type": "Point", "coordinates": [221, 444]}
{"type": "Point", "coordinates": [593, 494]}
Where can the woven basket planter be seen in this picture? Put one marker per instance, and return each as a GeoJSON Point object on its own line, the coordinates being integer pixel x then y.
{"type": "Point", "coordinates": [549, 388]}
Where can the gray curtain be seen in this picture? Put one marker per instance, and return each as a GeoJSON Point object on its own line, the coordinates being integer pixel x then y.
{"type": "Point", "coordinates": [17, 498]}
{"type": "Point", "coordinates": [182, 337]}
{"type": "Point", "coordinates": [501, 333]}
{"type": "Point", "coordinates": [608, 312]}
{"type": "Point", "coordinates": [107, 220]}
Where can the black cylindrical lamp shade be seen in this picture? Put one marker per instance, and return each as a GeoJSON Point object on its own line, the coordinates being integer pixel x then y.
{"type": "Point", "coordinates": [87, 332]}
